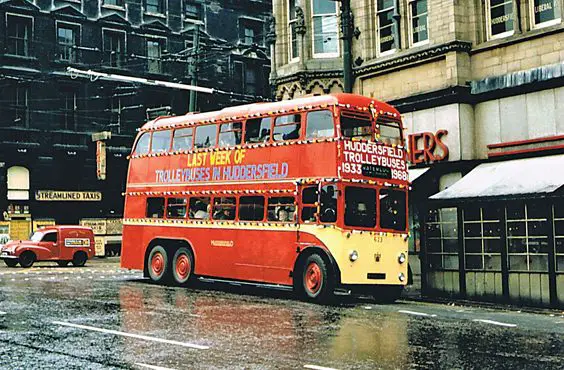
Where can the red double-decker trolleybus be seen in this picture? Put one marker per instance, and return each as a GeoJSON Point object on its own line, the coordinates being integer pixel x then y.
{"type": "Point", "coordinates": [307, 194]}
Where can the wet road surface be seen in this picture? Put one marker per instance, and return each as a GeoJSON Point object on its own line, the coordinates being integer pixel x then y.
{"type": "Point", "coordinates": [103, 317]}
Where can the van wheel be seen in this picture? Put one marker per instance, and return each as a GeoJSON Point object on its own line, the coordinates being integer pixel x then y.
{"type": "Point", "coordinates": [27, 259]}
{"type": "Point", "coordinates": [11, 263]}
{"type": "Point", "coordinates": [158, 265]}
{"type": "Point", "coordinates": [79, 259]}
{"type": "Point", "coordinates": [316, 282]}
{"type": "Point", "coordinates": [62, 263]}
{"type": "Point", "coordinates": [182, 266]}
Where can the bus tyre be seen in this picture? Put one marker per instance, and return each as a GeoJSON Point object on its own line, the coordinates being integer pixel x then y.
{"type": "Point", "coordinates": [79, 259]}
{"type": "Point", "coordinates": [27, 259]}
{"type": "Point", "coordinates": [157, 264]}
{"type": "Point", "coordinates": [182, 266]}
{"type": "Point", "coordinates": [62, 263]}
{"type": "Point", "coordinates": [316, 282]}
{"type": "Point", "coordinates": [11, 263]}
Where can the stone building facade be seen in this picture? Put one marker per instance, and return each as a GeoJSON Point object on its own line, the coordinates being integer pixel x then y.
{"type": "Point", "coordinates": [486, 79]}
{"type": "Point", "coordinates": [48, 160]}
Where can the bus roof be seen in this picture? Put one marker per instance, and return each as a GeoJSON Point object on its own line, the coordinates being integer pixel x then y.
{"type": "Point", "coordinates": [268, 107]}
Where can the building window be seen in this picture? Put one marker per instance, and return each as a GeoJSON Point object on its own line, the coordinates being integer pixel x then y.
{"type": "Point", "coordinates": [68, 38]}
{"type": "Point", "coordinates": [545, 12]}
{"type": "Point", "coordinates": [249, 36]}
{"type": "Point", "coordinates": [527, 237]}
{"type": "Point", "coordinates": [325, 28]}
{"type": "Point", "coordinates": [119, 3]}
{"type": "Point", "coordinates": [384, 14]}
{"type": "Point", "coordinates": [442, 239]}
{"type": "Point", "coordinates": [246, 78]}
{"type": "Point", "coordinates": [18, 183]}
{"type": "Point", "coordinates": [500, 18]}
{"type": "Point", "coordinates": [482, 238]}
{"type": "Point", "coordinates": [19, 35]}
{"type": "Point", "coordinates": [419, 28]}
{"type": "Point", "coordinates": [20, 107]}
{"type": "Point", "coordinates": [154, 6]}
{"type": "Point", "coordinates": [193, 11]}
{"type": "Point", "coordinates": [154, 56]}
{"type": "Point", "coordinates": [559, 234]}
{"type": "Point", "coordinates": [68, 110]}
{"type": "Point", "coordinates": [292, 23]}
{"type": "Point", "coordinates": [114, 48]}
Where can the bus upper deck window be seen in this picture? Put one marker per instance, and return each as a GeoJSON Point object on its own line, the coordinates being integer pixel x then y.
{"type": "Point", "coordinates": [356, 126]}
{"type": "Point", "coordinates": [360, 206]}
{"type": "Point", "coordinates": [390, 133]}
{"type": "Point", "coordinates": [230, 134]}
{"type": "Point", "coordinates": [142, 146]}
{"type": "Point", "coordinates": [205, 136]}
{"type": "Point", "coordinates": [287, 127]}
{"type": "Point", "coordinates": [257, 130]}
{"type": "Point", "coordinates": [182, 139]}
{"type": "Point", "coordinates": [392, 209]}
{"type": "Point", "coordinates": [319, 124]}
{"type": "Point", "coordinates": [161, 141]}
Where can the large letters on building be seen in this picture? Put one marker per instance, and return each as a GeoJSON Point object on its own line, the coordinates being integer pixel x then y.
{"type": "Point", "coordinates": [426, 147]}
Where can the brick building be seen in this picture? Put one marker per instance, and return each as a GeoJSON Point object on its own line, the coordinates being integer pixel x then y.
{"type": "Point", "coordinates": [484, 78]}
{"type": "Point", "coordinates": [48, 165]}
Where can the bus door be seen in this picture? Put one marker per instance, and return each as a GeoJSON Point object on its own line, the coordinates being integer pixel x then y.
{"type": "Point", "coordinates": [279, 244]}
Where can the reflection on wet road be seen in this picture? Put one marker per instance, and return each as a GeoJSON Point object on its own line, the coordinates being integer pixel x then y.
{"type": "Point", "coordinates": [101, 317]}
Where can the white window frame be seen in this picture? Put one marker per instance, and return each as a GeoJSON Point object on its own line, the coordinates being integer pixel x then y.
{"type": "Point", "coordinates": [163, 13]}
{"type": "Point", "coordinates": [77, 27]}
{"type": "Point", "coordinates": [313, 16]}
{"type": "Point", "coordinates": [163, 43]}
{"type": "Point", "coordinates": [30, 41]}
{"type": "Point", "coordinates": [410, 24]}
{"type": "Point", "coordinates": [291, 57]}
{"type": "Point", "coordinates": [489, 25]}
{"type": "Point", "coordinates": [113, 6]}
{"type": "Point", "coordinates": [124, 46]}
{"type": "Point", "coordinates": [547, 23]}
{"type": "Point", "coordinates": [378, 45]}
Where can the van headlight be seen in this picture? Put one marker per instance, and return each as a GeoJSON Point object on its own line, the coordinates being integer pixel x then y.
{"type": "Point", "coordinates": [353, 256]}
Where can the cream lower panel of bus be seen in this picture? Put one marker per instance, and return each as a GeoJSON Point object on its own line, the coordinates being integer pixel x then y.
{"type": "Point", "coordinates": [377, 254]}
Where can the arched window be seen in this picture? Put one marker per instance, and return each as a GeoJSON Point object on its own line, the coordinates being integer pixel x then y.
{"type": "Point", "coordinates": [18, 183]}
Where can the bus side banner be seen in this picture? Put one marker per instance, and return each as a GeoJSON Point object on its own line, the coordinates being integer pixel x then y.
{"type": "Point", "coordinates": [373, 160]}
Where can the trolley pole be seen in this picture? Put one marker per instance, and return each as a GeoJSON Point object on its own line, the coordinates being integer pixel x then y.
{"type": "Point", "coordinates": [192, 67]}
{"type": "Point", "coordinates": [347, 26]}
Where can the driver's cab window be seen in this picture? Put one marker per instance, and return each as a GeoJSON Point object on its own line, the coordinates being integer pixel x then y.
{"type": "Point", "coordinates": [328, 204]}
{"type": "Point", "coordinates": [50, 237]}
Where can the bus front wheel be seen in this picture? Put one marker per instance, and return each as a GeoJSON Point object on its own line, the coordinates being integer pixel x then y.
{"type": "Point", "coordinates": [157, 264]}
{"type": "Point", "coordinates": [316, 282]}
{"type": "Point", "coordinates": [182, 266]}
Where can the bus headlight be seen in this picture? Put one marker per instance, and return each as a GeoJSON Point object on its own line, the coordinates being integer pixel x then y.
{"type": "Point", "coordinates": [401, 258]}
{"type": "Point", "coordinates": [353, 256]}
{"type": "Point", "coordinates": [401, 277]}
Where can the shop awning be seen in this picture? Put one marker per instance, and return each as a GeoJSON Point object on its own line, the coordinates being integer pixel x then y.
{"type": "Point", "coordinates": [540, 175]}
{"type": "Point", "coordinates": [416, 172]}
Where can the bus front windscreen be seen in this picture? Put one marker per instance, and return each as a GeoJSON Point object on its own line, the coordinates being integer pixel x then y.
{"type": "Point", "coordinates": [356, 126]}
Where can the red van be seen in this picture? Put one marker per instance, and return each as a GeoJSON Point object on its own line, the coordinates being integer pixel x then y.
{"type": "Point", "coordinates": [62, 244]}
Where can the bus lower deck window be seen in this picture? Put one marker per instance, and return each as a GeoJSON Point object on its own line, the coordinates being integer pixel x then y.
{"type": "Point", "coordinates": [155, 207]}
{"type": "Point", "coordinates": [328, 204]}
{"type": "Point", "coordinates": [360, 206]}
{"type": "Point", "coordinates": [392, 209]}
{"type": "Point", "coordinates": [309, 208]}
{"type": "Point", "coordinates": [224, 208]}
{"type": "Point", "coordinates": [281, 209]}
{"type": "Point", "coordinates": [199, 208]}
{"type": "Point", "coordinates": [176, 208]}
{"type": "Point", "coordinates": [251, 208]}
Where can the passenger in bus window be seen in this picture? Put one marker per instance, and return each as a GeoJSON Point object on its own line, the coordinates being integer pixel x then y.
{"type": "Point", "coordinates": [328, 204]}
{"type": "Point", "coordinates": [282, 214]}
{"type": "Point", "coordinates": [199, 209]}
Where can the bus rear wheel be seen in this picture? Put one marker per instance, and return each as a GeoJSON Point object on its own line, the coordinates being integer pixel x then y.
{"type": "Point", "coordinates": [157, 264]}
{"type": "Point", "coordinates": [316, 282]}
{"type": "Point", "coordinates": [182, 266]}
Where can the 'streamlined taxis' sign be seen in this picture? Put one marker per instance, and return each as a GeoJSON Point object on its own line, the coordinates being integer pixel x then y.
{"type": "Point", "coordinates": [75, 196]}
